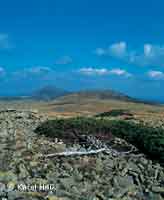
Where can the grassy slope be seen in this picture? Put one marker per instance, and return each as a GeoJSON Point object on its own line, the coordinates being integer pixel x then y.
{"type": "Point", "coordinates": [84, 106]}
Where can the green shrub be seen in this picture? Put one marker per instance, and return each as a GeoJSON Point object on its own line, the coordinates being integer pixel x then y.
{"type": "Point", "coordinates": [72, 129]}
{"type": "Point", "coordinates": [148, 139]}
{"type": "Point", "coordinates": [115, 113]}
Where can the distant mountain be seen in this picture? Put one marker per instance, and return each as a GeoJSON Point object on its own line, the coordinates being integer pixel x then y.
{"type": "Point", "coordinates": [94, 95]}
{"type": "Point", "coordinates": [48, 93]}
{"type": "Point", "coordinates": [14, 98]}
{"type": "Point", "coordinates": [103, 94]}
{"type": "Point", "coordinates": [86, 95]}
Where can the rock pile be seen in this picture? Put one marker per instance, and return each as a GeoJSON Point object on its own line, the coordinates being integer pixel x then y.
{"type": "Point", "coordinates": [26, 175]}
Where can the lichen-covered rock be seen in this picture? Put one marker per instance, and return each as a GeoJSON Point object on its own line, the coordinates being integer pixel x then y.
{"type": "Point", "coordinates": [26, 175]}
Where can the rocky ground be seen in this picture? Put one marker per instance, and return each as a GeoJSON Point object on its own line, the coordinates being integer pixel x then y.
{"type": "Point", "coordinates": [26, 174]}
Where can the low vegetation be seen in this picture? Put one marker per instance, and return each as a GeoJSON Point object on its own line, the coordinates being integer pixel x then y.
{"type": "Point", "coordinates": [115, 113]}
{"type": "Point", "coordinates": [148, 140]}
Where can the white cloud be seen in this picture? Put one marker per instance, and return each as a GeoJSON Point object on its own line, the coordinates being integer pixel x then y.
{"type": "Point", "coordinates": [38, 70]}
{"type": "Point", "coordinates": [2, 71]}
{"type": "Point", "coordinates": [120, 72]}
{"type": "Point", "coordinates": [156, 74]}
{"type": "Point", "coordinates": [103, 71]}
{"type": "Point", "coordinates": [93, 71]}
{"type": "Point", "coordinates": [148, 55]}
{"type": "Point", "coordinates": [148, 50]}
{"type": "Point", "coordinates": [4, 41]}
{"type": "Point", "coordinates": [153, 50]}
{"type": "Point", "coordinates": [118, 49]}
{"type": "Point", "coordinates": [64, 60]}
{"type": "Point", "coordinates": [153, 55]}
{"type": "Point", "coordinates": [32, 72]}
{"type": "Point", "coordinates": [100, 51]}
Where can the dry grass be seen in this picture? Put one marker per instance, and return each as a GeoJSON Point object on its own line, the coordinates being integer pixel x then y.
{"type": "Point", "coordinates": [86, 107]}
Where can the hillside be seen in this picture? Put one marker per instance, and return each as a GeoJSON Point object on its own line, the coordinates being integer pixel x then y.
{"type": "Point", "coordinates": [96, 94]}
{"type": "Point", "coordinates": [62, 96]}
{"type": "Point", "coordinates": [100, 95]}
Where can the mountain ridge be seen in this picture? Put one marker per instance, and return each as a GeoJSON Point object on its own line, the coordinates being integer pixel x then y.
{"type": "Point", "coordinates": [51, 92]}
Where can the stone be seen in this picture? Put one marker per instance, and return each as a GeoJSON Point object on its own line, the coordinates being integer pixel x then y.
{"type": "Point", "coordinates": [105, 176]}
{"type": "Point", "coordinates": [54, 198]}
{"type": "Point", "coordinates": [158, 189]}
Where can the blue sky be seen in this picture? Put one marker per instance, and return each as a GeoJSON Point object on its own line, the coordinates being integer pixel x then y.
{"type": "Point", "coordinates": [80, 44]}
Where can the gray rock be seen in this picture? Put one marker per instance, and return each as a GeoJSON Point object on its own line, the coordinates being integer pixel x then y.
{"type": "Point", "coordinates": [103, 176]}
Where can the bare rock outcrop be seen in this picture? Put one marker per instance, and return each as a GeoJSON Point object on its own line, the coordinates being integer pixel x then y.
{"type": "Point", "coordinates": [26, 174]}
